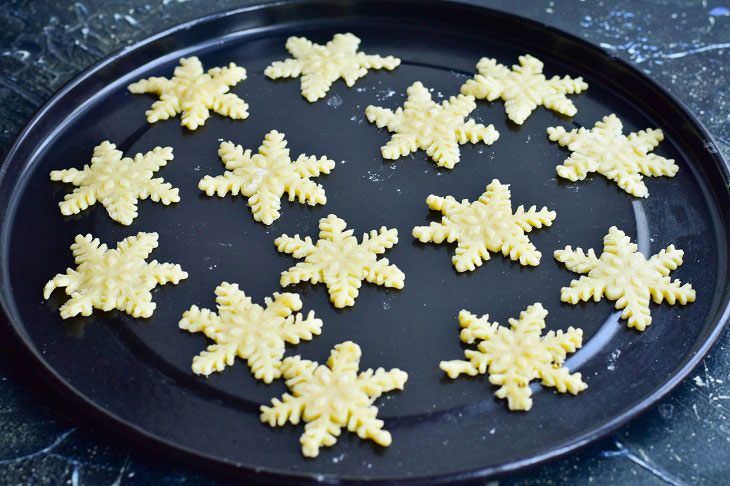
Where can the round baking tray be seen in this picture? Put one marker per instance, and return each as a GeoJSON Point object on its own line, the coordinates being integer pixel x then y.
{"type": "Point", "coordinates": [133, 375]}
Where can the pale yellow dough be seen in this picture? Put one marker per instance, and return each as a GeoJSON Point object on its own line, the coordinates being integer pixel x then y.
{"type": "Point", "coordinates": [487, 224]}
{"type": "Point", "coordinates": [331, 397]}
{"type": "Point", "coordinates": [320, 66]}
{"type": "Point", "coordinates": [265, 177]}
{"type": "Point", "coordinates": [517, 355]}
{"type": "Point", "coordinates": [193, 92]}
{"type": "Point", "coordinates": [438, 129]}
{"type": "Point", "coordinates": [113, 279]}
{"type": "Point", "coordinates": [242, 328]}
{"type": "Point", "coordinates": [117, 182]}
{"type": "Point", "coordinates": [523, 88]}
{"type": "Point", "coordinates": [606, 150]}
{"type": "Point", "coordinates": [340, 261]}
{"type": "Point", "coordinates": [622, 274]}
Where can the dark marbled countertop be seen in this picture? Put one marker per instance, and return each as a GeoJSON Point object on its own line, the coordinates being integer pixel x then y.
{"type": "Point", "coordinates": [683, 45]}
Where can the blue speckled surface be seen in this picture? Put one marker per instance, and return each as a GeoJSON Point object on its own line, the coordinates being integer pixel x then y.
{"type": "Point", "coordinates": [683, 45]}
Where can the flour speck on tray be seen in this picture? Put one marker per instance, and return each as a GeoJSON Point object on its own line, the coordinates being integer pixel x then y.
{"type": "Point", "coordinates": [334, 101]}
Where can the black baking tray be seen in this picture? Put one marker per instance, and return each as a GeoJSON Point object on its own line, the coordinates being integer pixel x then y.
{"type": "Point", "coordinates": [133, 375]}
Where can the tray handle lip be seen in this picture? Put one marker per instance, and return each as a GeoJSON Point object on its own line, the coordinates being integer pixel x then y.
{"type": "Point", "coordinates": [220, 465]}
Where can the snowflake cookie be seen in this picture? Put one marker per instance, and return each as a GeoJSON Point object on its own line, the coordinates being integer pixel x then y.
{"type": "Point", "coordinates": [517, 355]}
{"type": "Point", "coordinates": [117, 182]}
{"type": "Point", "coordinates": [340, 261]}
{"type": "Point", "coordinates": [622, 274]}
{"type": "Point", "coordinates": [192, 92]}
{"type": "Point", "coordinates": [331, 397]}
{"type": "Point", "coordinates": [113, 279]}
{"type": "Point", "coordinates": [606, 150]}
{"type": "Point", "coordinates": [320, 66]}
{"type": "Point", "coordinates": [523, 88]}
{"type": "Point", "coordinates": [487, 224]}
{"type": "Point", "coordinates": [242, 328]}
{"type": "Point", "coordinates": [265, 177]}
{"type": "Point", "coordinates": [438, 129]}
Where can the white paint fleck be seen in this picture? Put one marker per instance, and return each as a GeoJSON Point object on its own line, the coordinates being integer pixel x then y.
{"type": "Point", "coordinates": [708, 47]}
{"type": "Point", "coordinates": [20, 54]}
{"type": "Point", "coordinates": [719, 12]}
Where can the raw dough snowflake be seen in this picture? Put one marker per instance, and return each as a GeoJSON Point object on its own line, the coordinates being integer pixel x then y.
{"type": "Point", "coordinates": [320, 66]}
{"type": "Point", "coordinates": [191, 91]}
{"type": "Point", "coordinates": [624, 275]}
{"type": "Point", "coordinates": [264, 177]}
{"type": "Point", "coordinates": [517, 355]}
{"type": "Point", "coordinates": [113, 279]}
{"type": "Point", "coordinates": [606, 150]}
{"type": "Point", "coordinates": [485, 225]}
{"type": "Point", "coordinates": [523, 88]}
{"type": "Point", "coordinates": [117, 182]}
{"type": "Point", "coordinates": [339, 261]}
{"type": "Point", "coordinates": [438, 129]}
{"type": "Point", "coordinates": [331, 397]}
{"type": "Point", "coordinates": [248, 330]}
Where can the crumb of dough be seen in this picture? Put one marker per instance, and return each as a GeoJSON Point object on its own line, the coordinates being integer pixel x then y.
{"type": "Point", "coordinates": [438, 129]}
{"type": "Point", "coordinates": [523, 88]}
{"type": "Point", "coordinates": [193, 92]}
{"type": "Point", "coordinates": [606, 150]}
{"type": "Point", "coordinates": [113, 279]}
{"type": "Point", "coordinates": [487, 224]}
{"type": "Point", "coordinates": [321, 65]}
{"type": "Point", "coordinates": [332, 397]}
{"type": "Point", "coordinates": [254, 333]}
{"type": "Point", "coordinates": [516, 355]}
{"type": "Point", "coordinates": [265, 177]}
{"type": "Point", "coordinates": [116, 182]}
{"type": "Point", "coordinates": [340, 261]}
{"type": "Point", "coordinates": [623, 274]}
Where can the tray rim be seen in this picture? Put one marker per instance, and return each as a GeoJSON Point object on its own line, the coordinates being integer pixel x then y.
{"type": "Point", "coordinates": [216, 465]}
